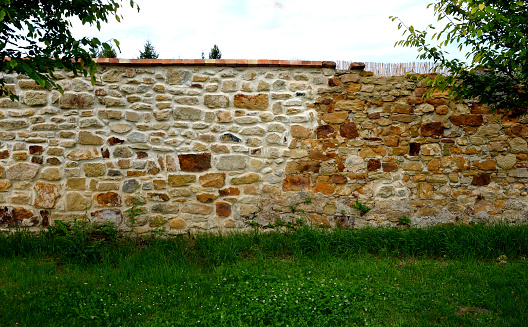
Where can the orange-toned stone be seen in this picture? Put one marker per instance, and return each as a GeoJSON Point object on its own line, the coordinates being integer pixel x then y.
{"type": "Point", "coordinates": [489, 164]}
{"type": "Point", "coordinates": [432, 129]}
{"type": "Point", "coordinates": [481, 180]}
{"type": "Point", "coordinates": [206, 198]}
{"type": "Point", "coordinates": [108, 199]}
{"type": "Point", "coordinates": [324, 188]}
{"type": "Point", "coordinates": [195, 162]}
{"type": "Point", "coordinates": [373, 165]}
{"type": "Point", "coordinates": [325, 131]}
{"type": "Point", "coordinates": [319, 221]}
{"type": "Point", "coordinates": [391, 141]}
{"type": "Point", "coordinates": [177, 223]}
{"type": "Point", "coordinates": [223, 209]}
{"type": "Point", "coordinates": [295, 183]}
{"type": "Point", "coordinates": [229, 191]}
{"type": "Point", "coordinates": [389, 166]}
{"type": "Point", "coordinates": [260, 101]}
{"type": "Point", "coordinates": [454, 163]}
{"type": "Point", "coordinates": [339, 179]}
{"type": "Point", "coordinates": [212, 180]}
{"type": "Point", "coordinates": [335, 117]}
{"type": "Point", "coordinates": [467, 120]}
{"type": "Point", "coordinates": [46, 194]}
{"type": "Point", "coordinates": [425, 190]}
{"type": "Point", "coordinates": [349, 130]}
{"type": "Point", "coordinates": [433, 165]}
{"type": "Point", "coordinates": [300, 132]}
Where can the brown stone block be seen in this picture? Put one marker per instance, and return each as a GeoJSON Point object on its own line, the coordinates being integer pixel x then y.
{"type": "Point", "coordinates": [4, 154]}
{"type": "Point", "coordinates": [177, 223]}
{"type": "Point", "coordinates": [260, 101]}
{"type": "Point", "coordinates": [319, 221]}
{"type": "Point", "coordinates": [339, 179]}
{"type": "Point", "coordinates": [76, 100]}
{"type": "Point", "coordinates": [324, 131]}
{"type": "Point", "coordinates": [159, 197]}
{"type": "Point", "coordinates": [181, 180]}
{"type": "Point", "coordinates": [108, 199]}
{"type": "Point", "coordinates": [481, 180]}
{"type": "Point", "coordinates": [324, 188]}
{"type": "Point", "coordinates": [454, 163]}
{"type": "Point", "coordinates": [398, 108]}
{"type": "Point", "coordinates": [34, 149]}
{"type": "Point", "coordinates": [467, 120]}
{"type": "Point", "coordinates": [197, 208]}
{"type": "Point", "coordinates": [212, 180]}
{"type": "Point", "coordinates": [334, 82]}
{"type": "Point", "coordinates": [229, 191]}
{"type": "Point", "coordinates": [391, 141]}
{"type": "Point", "coordinates": [389, 166]}
{"type": "Point", "coordinates": [433, 165]}
{"type": "Point", "coordinates": [295, 183]}
{"type": "Point", "coordinates": [309, 166]}
{"type": "Point", "coordinates": [195, 162]}
{"type": "Point", "coordinates": [349, 130]}
{"type": "Point", "coordinates": [245, 179]}
{"type": "Point", "coordinates": [223, 209]}
{"type": "Point", "coordinates": [373, 165]}
{"type": "Point", "coordinates": [489, 164]}
{"type": "Point", "coordinates": [206, 197]}
{"type": "Point", "coordinates": [432, 129]}
{"type": "Point", "coordinates": [335, 117]}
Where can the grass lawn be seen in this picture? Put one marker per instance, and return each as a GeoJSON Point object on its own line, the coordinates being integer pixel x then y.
{"type": "Point", "coordinates": [266, 280]}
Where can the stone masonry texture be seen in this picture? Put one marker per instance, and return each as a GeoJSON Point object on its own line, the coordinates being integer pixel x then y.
{"type": "Point", "coordinates": [207, 145]}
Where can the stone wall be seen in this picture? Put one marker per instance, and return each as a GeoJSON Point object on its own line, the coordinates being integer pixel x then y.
{"type": "Point", "coordinates": [209, 145]}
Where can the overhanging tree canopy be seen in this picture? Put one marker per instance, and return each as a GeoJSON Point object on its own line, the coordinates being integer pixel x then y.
{"type": "Point", "coordinates": [35, 37]}
{"type": "Point", "coordinates": [495, 32]}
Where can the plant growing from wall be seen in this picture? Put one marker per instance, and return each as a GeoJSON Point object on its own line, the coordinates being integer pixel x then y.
{"type": "Point", "coordinates": [361, 207]}
{"type": "Point", "coordinates": [495, 34]}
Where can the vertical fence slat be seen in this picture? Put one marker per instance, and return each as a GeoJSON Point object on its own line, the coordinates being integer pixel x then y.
{"type": "Point", "coordinates": [394, 69]}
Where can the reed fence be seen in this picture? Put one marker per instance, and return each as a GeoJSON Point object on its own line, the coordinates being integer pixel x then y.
{"type": "Point", "coordinates": [394, 69]}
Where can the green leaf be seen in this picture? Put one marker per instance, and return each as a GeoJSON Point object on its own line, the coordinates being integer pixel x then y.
{"type": "Point", "coordinates": [482, 6]}
{"type": "Point", "coordinates": [2, 15]}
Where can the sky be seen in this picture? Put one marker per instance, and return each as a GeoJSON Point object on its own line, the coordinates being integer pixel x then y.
{"type": "Point", "coordinates": [352, 30]}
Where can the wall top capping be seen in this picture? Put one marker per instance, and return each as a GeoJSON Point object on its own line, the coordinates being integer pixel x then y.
{"type": "Point", "coordinates": [218, 62]}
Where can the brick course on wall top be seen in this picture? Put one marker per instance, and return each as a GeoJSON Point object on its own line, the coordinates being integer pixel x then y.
{"type": "Point", "coordinates": [217, 145]}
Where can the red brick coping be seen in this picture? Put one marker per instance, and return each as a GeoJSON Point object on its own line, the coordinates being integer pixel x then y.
{"type": "Point", "coordinates": [218, 62]}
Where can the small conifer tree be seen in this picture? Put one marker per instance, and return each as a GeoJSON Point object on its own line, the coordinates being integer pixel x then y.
{"type": "Point", "coordinates": [215, 53]}
{"type": "Point", "coordinates": [149, 52]}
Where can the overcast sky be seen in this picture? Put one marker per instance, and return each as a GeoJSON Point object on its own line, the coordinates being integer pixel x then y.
{"type": "Point", "coordinates": [355, 30]}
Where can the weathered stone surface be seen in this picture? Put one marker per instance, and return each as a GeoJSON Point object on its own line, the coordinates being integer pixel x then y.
{"type": "Point", "coordinates": [45, 195]}
{"type": "Point", "coordinates": [136, 137]}
{"type": "Point", "coordinates": [206, 197]}
{"type": "Point", "coordinates": [120, 128]}
{"type": "Point", "coordinates": [181, 180]}
{"type": "Point", "coordinates": [187, 113]}
{"type": "Point", "coordinates": [94, 169]}
{"type": "Point", "coordinates": [245, 179]}
{"type": "Point", "coordinates": [36, 98]}
{"type": "Point", "coordinates": [108, 215]}
{"type": "Point", "coordinates": [177, 223]}
{"type": "Point", "coordinates": [373, 165]}
{"type": "Point", "coordinates": [349, 130]}
{"type": "Point", "coordinates": [122, 151]}
{"type": "Point", "coordinates": [335, 117]}
{"type": "Point", "coordinates": [325, 131]}
{"type": "Point", "coordinates": [216, 101]}
{"type": "Point", "coordinates": [432, 129]}
{"type": "Point", "coordinates": [76, 201]}
{"type": "Point", "coordinates": [481, 180]}
{"type": "Point", "coordinates": [518, 145]}
{"type": "Point", "coordinates": [112, 76]}
{"type": "Point", "coordinates": [76, 100]}
{"type": "Point", "coordinates": [300, 132]}
{"type": "Point", "coordinates": [84, 153]}
{"type": "Point", "coordinates": [223, 209]}
{"type": "Point", "coordinates": [231, 162]}
{"type": "Point", "coordinates": [229, 191]}
{"type": "Point", "coordinates": [295, 183]}
{"type": "Point", "coordinates": [108, 199]}
{"type": "Point", "coordinates": [197, 208]}
{"type": "Point", "coordinates": [454, 163]}
{"type": "Point", "coordinates": [506, 162]}
{"type": "Point", "coordinates": [177, 77]}
{"type": "Point", "coordinates": [195, 162]}
{"type": "Point", "coordinates": [13, 124]}
{"type": "Point", "coordinates": [158, 197]}
{"type": "Point", "coordinates": [4, 185]}
{"type": "Point", "coordinates": [324, 188]}
{"type": "Point", "coordinates": [13, 216]}
{"type": "Point", "coordinates": [22, 171]}
{"type": "Point", "coordinates": [467, 120]}
{"type": "Point", "coordinates": [260, 101]}
{"type": "Point", "coordinates": [216, 180]}
{"type": "Point", "coordinates": [247, 210]}
{"type": "Point", "coordinates": [87, 138]}
{"type": "Point", "coordinates": [486, 164]}
{"type": "Point", "coordinates": [130, 186]}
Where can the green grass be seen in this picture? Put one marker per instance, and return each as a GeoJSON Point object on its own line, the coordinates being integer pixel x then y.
{"type": "Point", "coordinates": [376, 277]}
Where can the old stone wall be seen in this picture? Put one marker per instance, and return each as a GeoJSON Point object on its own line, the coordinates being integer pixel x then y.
{"type": "Point", "coordinates": [220, 147]}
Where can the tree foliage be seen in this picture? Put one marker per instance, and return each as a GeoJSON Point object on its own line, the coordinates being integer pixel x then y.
{"type": "Point", "coordinates": [149, 52]}
{"type": "Point", "coordinates": [35, 37]}
{"type": "Point", "coordinates": [215, 53]}
{"type": "Point", "coordinates": [103, 52]}
{"type": "Point", "coordinates": [495, 32]}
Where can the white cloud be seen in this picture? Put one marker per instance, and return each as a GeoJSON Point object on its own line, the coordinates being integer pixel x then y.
{"type": "Point", "coordinates": [250, 29]}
